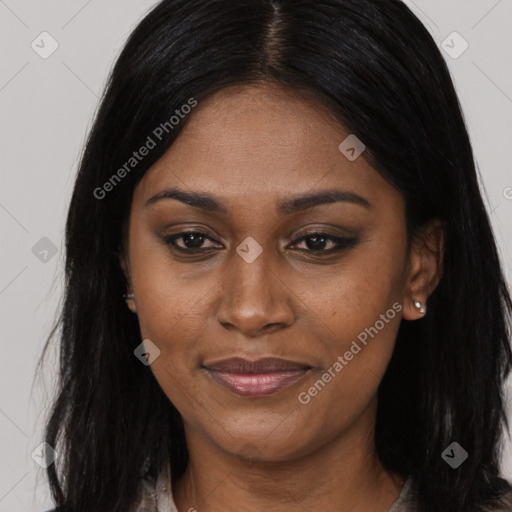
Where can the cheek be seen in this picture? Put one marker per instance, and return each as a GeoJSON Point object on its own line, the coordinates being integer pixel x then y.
{"type": "Point", "coordinates": [347, 298]}
{"type": "Point", "coordinates": [357, 343]}
{"type": "Point", "coordinates": [171, 314]}
{"type": "Point", "coordinates": [355, 314]}
{"type": "Point", "coordinates": [170, 303]}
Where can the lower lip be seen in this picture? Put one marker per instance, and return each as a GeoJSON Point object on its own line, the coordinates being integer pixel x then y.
{"type": "Point", "coordinates": [257, 384]}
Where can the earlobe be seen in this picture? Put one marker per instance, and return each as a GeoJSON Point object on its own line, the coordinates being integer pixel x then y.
{"type": "Point", "coordinates": [422, 309]}
{"type": "Point", "coordinates": [425, 268]}
{"type": "Point", "coordinates": [130, 302]}
{"type": "Point", "coordinates": [129, 296]}
{"type": "Point", "coordinates": [414, 309]}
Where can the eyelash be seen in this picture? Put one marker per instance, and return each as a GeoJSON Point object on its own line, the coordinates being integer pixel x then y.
{"type": "Point", "coordinates": [341, 243]}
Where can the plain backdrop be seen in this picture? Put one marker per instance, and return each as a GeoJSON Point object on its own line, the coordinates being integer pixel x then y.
{"type": "Point", "coordinates": [47, 105]}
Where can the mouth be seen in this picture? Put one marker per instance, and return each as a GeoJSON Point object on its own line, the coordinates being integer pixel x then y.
{"type": "Point", "coordinates": [256, 378]}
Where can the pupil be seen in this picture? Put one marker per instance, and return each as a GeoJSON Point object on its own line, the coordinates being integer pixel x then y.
{"type": "Point", "coordinates": [318, 242]}
{"type": "Point", "coordinates": [196, 239]}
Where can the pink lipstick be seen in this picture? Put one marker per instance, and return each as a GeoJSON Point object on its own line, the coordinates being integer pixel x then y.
{"type": "Point", "coordinates": [256, 378]}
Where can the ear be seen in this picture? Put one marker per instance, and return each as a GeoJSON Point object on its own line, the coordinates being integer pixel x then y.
{"type": "Point", "coordinates": [424, 268]}
{"type": "Point", "coordinates": [125, 267]}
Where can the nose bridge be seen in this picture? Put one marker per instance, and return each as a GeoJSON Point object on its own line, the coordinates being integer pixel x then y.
{"type": "Point", "coordinates": [251, 278]}
{"type": "Point", "coordinates": [253, 295]}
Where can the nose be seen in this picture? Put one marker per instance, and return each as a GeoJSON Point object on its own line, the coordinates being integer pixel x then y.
{"type": "Point", "coordinates": [255, 301]}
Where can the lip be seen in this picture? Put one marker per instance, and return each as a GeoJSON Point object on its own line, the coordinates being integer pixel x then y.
{"type": "Point", "coordinates": [256, 378]}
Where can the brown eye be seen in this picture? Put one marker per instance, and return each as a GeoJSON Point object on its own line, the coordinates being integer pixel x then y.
{"type": "Point", "coordinates": [318, 241]}
{"type": "Point", "coordinates": [191, 241]}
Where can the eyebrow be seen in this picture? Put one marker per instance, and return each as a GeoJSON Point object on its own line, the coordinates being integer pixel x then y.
{"type": "Point", "coordinates": [304, 201]}
{"type": "Point", "coordinates": [290, 205]}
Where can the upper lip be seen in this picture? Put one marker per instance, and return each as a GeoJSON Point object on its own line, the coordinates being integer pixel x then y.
{"type": "Point", "coordinates": [264, 365]}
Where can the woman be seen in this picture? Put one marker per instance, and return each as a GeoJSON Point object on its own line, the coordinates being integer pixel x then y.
{"type": "Point", "coordinates": [282, 288]}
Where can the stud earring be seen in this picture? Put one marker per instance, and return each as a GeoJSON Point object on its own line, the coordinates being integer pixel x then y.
{"type": "Point", "coordinates": [129, 296]}
{"type": "Point", "coordinates": [420, 307]}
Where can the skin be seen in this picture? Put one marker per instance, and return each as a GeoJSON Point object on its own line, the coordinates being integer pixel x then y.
{"type": "Point", "coordinates": [251, 147]}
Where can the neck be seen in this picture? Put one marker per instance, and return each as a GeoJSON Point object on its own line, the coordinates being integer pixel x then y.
{"type": "Point", "coordinates": [344, 474]}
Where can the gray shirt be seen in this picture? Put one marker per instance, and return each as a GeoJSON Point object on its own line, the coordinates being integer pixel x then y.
{"type": "Point", "coordinates": [404, 502]}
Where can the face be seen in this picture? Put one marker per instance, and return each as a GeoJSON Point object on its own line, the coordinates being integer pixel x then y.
{"type": "Point", "coordinates": [298, 253]}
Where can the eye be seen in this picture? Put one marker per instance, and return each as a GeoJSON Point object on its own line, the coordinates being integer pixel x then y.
{"type": "Point", "coordinates": [317, 242]}
{"type": "Point", "coordinates": [192, 241]}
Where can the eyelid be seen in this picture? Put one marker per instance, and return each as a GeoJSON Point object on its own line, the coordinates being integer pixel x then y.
{"type": "Point", "coordinates": [169, 240]}
{"type": "Point", "coordinates": [342, 242]}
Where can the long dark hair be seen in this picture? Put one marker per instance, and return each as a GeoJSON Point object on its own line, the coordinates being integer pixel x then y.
{"type": "Point", "coordinates": [378, 70]}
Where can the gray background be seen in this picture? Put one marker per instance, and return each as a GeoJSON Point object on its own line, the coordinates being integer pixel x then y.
{"type": "Point", "coordinates": [46, 109]}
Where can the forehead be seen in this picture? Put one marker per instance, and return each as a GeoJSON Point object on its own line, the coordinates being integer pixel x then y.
{"type": "Point", "coordinates": [259, 140]}
{"type": "Point", "coordinates": [263, 103]}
